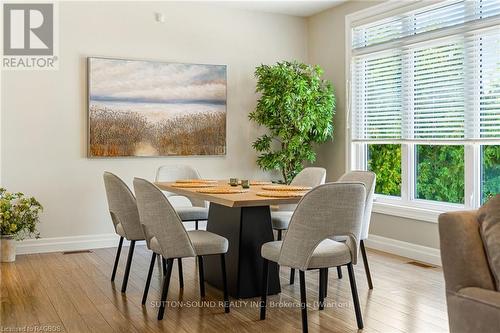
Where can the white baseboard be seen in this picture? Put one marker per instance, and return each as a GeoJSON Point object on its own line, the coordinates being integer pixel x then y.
{"type": "Point", "coordinates": [410, 250]}
{"type": "Point", "coordinates": [77, 243]}
{"type": "Point", "coordinates": [70, 243]}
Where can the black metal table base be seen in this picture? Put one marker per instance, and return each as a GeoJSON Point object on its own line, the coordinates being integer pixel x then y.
{"type": "Point", "coordinates": [246, 228]}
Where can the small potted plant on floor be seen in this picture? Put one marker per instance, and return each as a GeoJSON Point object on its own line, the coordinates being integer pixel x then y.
{"type": "Point", "coordinates": [19, 216]}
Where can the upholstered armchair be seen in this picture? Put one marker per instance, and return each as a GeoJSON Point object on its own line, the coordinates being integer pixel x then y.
{"type": "Point", "coordinates": [473, 302]}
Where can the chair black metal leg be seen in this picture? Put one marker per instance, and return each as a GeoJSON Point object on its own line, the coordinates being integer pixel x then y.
{"type": "Point", "coordinates": [321, 292]}
{"type": "Point", "coordinates": [196, 225]}
{"type": "Point", "coordinates": [292, 275]}
{"type": "Point", "coordinates": [127, 268]}
{"type": "Point", "coordinates": [148, 280]}
{"type": "Point", "coordinates": [166, 284]}
{"type": "Point", "coordinates": [202, 276]}
{"type": "Point", "coordinates": [303, 300]}
{"type": "Point", "coordinates": [280, 233]}
{"type": "Point", "coordinates": [181, 275]}
{"type": "Point", "coordinates": [263, 297]}
{"type": "Point", "coordinates": [355, 298]}
{"type": "Point", "coordinates": [224, 282]}
{"type": "Point", "coordinates": [339, 272]}
{"type": "Point", "coordinates": [365, 262]}
{"type": "Point", "coordinates": [163, 266]}
{"type": "Point", "coordinates": [118, 252]}
{"type": "Point", "coordinates": [326, 282]}
{"type": "Point", "coordinates": [159, 263]}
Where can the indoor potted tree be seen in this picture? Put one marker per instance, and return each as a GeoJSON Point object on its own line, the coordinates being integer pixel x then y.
{"type": "Point", "coordinates": [297, 106]}
{"type": "Point", "coordinates": [19, 216]}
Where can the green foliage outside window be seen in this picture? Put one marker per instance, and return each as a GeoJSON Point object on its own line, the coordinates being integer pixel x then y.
{"type": "Point", "coordinates": [440, 173]}
{"type": "Point", "coordinates": [385, 161]}
{"type": "Point", "coordinates": [491, 172]}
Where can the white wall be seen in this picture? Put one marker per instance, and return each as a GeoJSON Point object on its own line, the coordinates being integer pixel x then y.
{"type": "Point", "coordinates": [326, 46]}
{"type": "Point", "coordinates": [43, 128]}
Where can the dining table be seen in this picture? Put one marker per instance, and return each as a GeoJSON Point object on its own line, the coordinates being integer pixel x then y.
{"type": "Point", "coordinates": [244, 219]}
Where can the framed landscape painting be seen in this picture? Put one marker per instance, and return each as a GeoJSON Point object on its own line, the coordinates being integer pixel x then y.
{"type": "Point", "coordinates": [148, 108]}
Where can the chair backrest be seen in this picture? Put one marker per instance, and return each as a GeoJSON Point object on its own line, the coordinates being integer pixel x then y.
{"type": "Point", "coordinates": [160, 220]}
{"type": "Point", "coordinates": [326, 211]}
{"type": "Point", "coordinates": [368, 178]}
{"type": "Point", "coordinates": [311, 177]}
{"type": "Point", "coordinates": [122, 206]}
{"type": "Point", "coordinates": [171, 173]}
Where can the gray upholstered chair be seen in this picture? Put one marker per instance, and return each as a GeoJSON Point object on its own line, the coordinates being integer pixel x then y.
{"type": "Point", "coordinates": [166, 236]}
{"type": "Point", "coordinates": [198, 211]}
{"type": "Point", "coordinates": [471, 295]}
{"type": "Point", "coordinates": [324, 212]}
{"type": "Point", "coordinates": [368, 178]}
{"type": "Point", "coordinates": [280, 217]}
{"type": "Point", "coordinates": [125, 217]}
{"type": "Point", "coordinates": [123, 209]}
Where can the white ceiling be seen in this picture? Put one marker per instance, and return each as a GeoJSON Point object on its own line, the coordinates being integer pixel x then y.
{"type": "Point", "coordinates": [295, 8]}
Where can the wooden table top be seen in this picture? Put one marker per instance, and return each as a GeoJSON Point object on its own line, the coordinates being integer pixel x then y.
{"type": "Point", "coordinates": [247, 199]}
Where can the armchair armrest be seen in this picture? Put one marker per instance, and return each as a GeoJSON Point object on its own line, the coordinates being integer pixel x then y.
{"type": "Point", "coordinates": [462, 252]}
{"type": "Point", "coordinates": [474, 310]}
{"type": "Point", "coordinates": [482, 297]}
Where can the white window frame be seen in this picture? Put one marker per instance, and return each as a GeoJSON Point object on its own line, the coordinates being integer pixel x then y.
{"type": "Point", "coordinates": [405, 206]}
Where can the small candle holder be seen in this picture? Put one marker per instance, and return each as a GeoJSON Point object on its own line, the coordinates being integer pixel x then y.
{"type": "Point", "coordinates": [233, 181]}
{"type": "Point", "coordinates": [245, 183]}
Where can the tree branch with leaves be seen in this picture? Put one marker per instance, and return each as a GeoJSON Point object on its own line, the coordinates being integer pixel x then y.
{"type": "Point", "coordinates": [297, 106]}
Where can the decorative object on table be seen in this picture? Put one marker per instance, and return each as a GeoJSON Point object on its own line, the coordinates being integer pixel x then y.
{"type": "Point", "coordinates": [19, 216]}
{"type": "Point", "coordinates": [286, 188]}
{"type": "Point", "coordinates": [204, 181]}
{"type": "Point", "coordinates": [152, 108]}
{"type": "Point", "coordinates": [281, 194]}
{"type": "Point", "coordinates": [194, 185]}
{"type": "Point", "coordinates": [245, 183]}
{"type": "Point", "coordinates": [222, 190]}
{"type": "Point", "coordinates": [298, 107]}
{"type": "Point", "coordinates": [233, 181]}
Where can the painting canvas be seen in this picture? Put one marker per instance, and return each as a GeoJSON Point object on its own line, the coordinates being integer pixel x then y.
{"type": "Point", "coordinates": [146, 108]}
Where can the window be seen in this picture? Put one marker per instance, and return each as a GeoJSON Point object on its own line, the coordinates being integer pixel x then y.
{"type": "Point", "coordinates": [440, 173]}
{"type": "Point", "coordinates": [385, 161]}
{"type": "Point", "coordinates": [490, 171]}
{"type": "Point", "coordinates": [425, 103]}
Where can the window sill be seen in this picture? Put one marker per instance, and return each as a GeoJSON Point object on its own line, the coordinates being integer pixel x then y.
{"type": "Point", "coordinates": [412, 212]}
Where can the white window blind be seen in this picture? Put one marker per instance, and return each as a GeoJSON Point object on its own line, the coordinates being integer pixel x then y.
{"type": "Point", "coordinates": [378, 96]}
{"type": "Point", "coordinates": [428, 75]}
{"type": "Point", "coordinates": [437, 91]}
{"type": "Point", "coordinates": [447, 14]}
{"type": "Point", "coordinates": [488, 61]}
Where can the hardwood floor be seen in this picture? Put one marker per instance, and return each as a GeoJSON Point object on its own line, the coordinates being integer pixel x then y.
{"type": "Point", "coordinates": [72, 292]}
